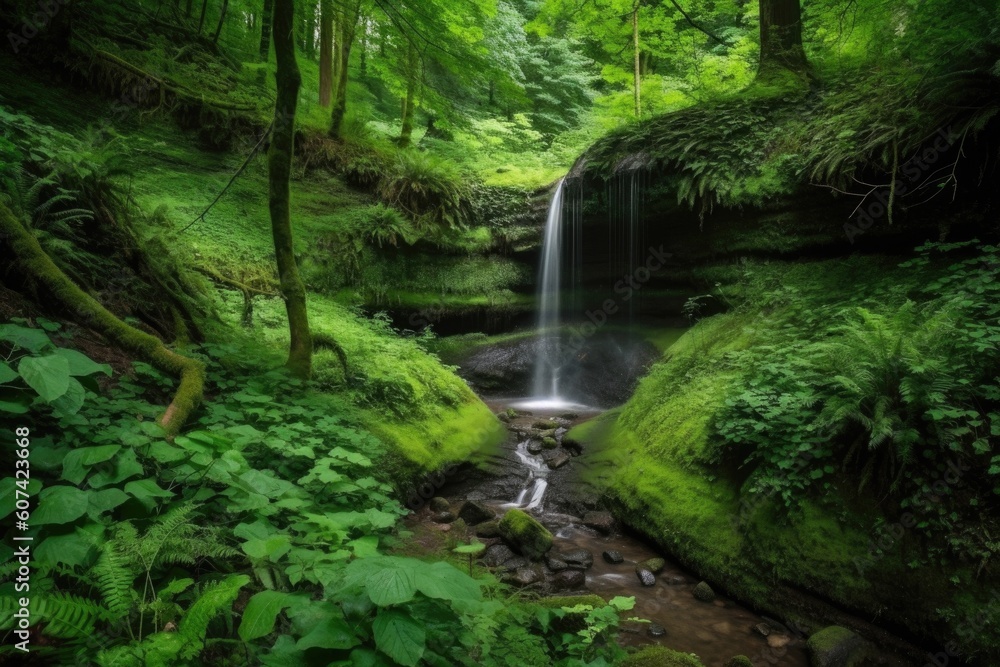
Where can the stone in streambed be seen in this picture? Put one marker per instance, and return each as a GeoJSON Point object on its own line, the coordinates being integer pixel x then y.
{"type": "Point", "coordinates": [569, 416]}
{"type": "Point", "coordinates": [739, 661]}
{"type": "Point", "coordinates": [524, 576]}
{"type": "Point", "coordinates": [548, 442]}
{"type": "Point", "coordinates": [602, 522]}
{"type": "Point", "coordinates": [525, 534]}
{"type": "Point", "coordinates": [535, 447]}
{"type": "Point", "coordinates": [654, 565]}
{"type": "Point", "coordinates": [561, 458]}
{"type": "Point", "coordinates": [488, 529]}
{"type": "Point", "coordinates": [703, 592]}
{"type": "Point", "coordinates": [568, 580]}
{"type": "Point", "coordinates": [762, 629]}
{"type": "Point", "coordinates": [515, 563]}
{"type": "Point", "coordinates": [497, 554]}
{"type": "Point", "coordinates": [555, 563]}
{"type": "Point", "coordinates": [443, 517]}
{"type": "Point", "coordinates": [646, 577]}
{"type": "Point", "coordinates": [656, 630]}
{"type": "Point", "coordinates": [613, 557]}
{"type": "Point", "coordinates": [545, 425]}
{"type": "Point", "coordinates": [439, 504]}
{"type": "Point", "coordinates": [474, 512]}
{"type": "Point", "coordinates": [580, 559]}
{"type": "Point", "coordinates": [834, 646]}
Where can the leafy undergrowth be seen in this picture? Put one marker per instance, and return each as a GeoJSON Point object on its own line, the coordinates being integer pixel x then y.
{"type": "Point", "coordinates": [254, 538]}
{"type": "Point", "coordinates": [837, 430]}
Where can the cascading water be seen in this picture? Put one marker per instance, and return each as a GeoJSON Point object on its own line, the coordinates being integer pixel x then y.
{"type": "Point", "coordinates": [548, 363]}
{"type": "Point", "coordinates": [531, 495]}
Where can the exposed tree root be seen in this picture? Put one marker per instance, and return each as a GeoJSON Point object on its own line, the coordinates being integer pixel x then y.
{"type": "Point", "coordinates": [39, 267]}
{"type": "Point", "coordinates": [326, 341]}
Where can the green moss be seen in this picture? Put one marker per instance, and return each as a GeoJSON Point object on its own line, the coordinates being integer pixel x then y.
{"type": "Point", "coordinates": [531, 538]}
{"type": "Point", "coordinates": [739, 661]}
{"type": "Point", "coordinates": [658, 656]}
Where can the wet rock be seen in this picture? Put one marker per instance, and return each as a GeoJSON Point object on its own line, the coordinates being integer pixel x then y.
{"type": "Point", "coordinates": [525, 576]}
{"type": "Point", "coordinates": [778, 641]}
{"type": "Point", "coordinates": [568, 580]}
{"type": "Point", "coordinates": [834, 646]}
{"type": "Point", "coordinates": [515, 563]}
{"type": "Point", "coordinates": [504, 417]}
{"type": "Point", "coordinates": [739, 661]}
{"type": "Point", "coordinates": [525, 534]}
{"type": "Point", "coordinates": [656, 630]}
{"type": "Point", "coordinates": [646, 577]}
{"type": "Point", "coordinates": [561, 458]}
{"type": "Point", "coordinates": [574, 446]}
{"type": "Point", "coordinates": [474, 512]}
{"type": "Point", "coordinates": [535, 447]}
{"type": "Point", "coordinates": [581, 559]}
{"type": "Point", "coordinates": [560, 432]}
{"type": "Point", "coordinates": [439, 504]}
{"type": "Point", "coordinates": [549, 442]}
{"type": "Point", "coordinates": [674, 579]}
{"type": "Point", "coordinates": [547, 433]}
{"type": "Point", "coordinates": [762, 629]}
{"type": "Point", "coordinates": [703, 592]}
{"type": "Point", "coordinates": [613, 557]}
{"type": "Point", "coordinates": [488, 529]}
{"type": "Point", "coordinates": [497, 554]}
{"type": "Point", "coordinates": [555, 563]}
{"type": "Point", "coordinates": [443, 517]}
{"type": "Point", "coordinates": [569, 416]}
{"type": "Point", "coordinates": [545, 425]}
{"type": "Point", "coordinates": [602, 522]}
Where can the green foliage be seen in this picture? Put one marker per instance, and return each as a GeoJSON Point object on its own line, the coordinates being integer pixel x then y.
{"type": "Point", "coordinates": [428, 189]}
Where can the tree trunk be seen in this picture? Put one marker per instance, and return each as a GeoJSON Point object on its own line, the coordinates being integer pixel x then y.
{"type": "Point", "coordinates": [364, 48]}
{"type": "Point", "coordinates": [188, 8]}
{"type": "Point", "coordinates": [222, 19]}
{"type": "Point", "coordinates": [265, 29]}
{"type": "Point", "coordinates": [781, 38]}
{"type": "Point", "coordinates": [279, 162]}
{"type": "Point", "coordinates": [347, 35]}
{"type": "Point", "coordinates": [637, 74]}
{"type": "Point", "coordinates": [406, 131]}
{"type": "Point", "coordinates": [201, 19]}
{"type": "Point", "coordinates": [325, 53]}
{"type": "Point", "coordinates": [310, 46]}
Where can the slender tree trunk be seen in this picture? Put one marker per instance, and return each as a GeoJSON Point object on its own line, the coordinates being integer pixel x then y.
{"type": "Point", "coordinates": [637, 74]}
{"type": "Point", "coordinates": [409, 103]}
{"type": "Point", "coordinates": [201, 19]}
{"type": "Point", "coordinates": [347, 35]}
{"type": "Point", "coordinates": [364, 48]}
{"type": "Point", "coordinates": [265, 29]}
{"type": "Point", "coordinates": [222, 19]}
{"type": "Point", "coordinates": [325, 53]}
{"type": "Point", "coordinates": [279, 162]}
{"type": "Point", "coordinates": [781, 38]}
{"type": "Point", "coordinates": [310, 46]}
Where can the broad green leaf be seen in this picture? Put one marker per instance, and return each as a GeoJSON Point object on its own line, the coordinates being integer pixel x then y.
{"type": "Point", "coordinates": [78, 461]}
{"type": "Point", "coordinates": [7, 374]}
{"type": "Point", "coordinates": [74, 549]}
{"type": "Point", "coordinates": [70, 403]}
{"type": "Point", "coordinates": [445, 582]}
{"type": "Point", "coordinates": [48, 376]}
{"type": "Point", "coordinates": [32, 340]}
{"type": "Point", "coordinates": [15, 401]}
{"type": "Point", "coordinates": [80, 364]}
{"type": "Point", "coordinates": [60, 504]}
{"type": "Point", "coordinates": [364, 547]}
{"type": "Point", "coordinates": [104, 500]}
{"type": "Point", "coordinates": [125, 465]}
{"type": "Point", "coordinates": [399, 637]}
{"type": "Point", "coordinates": [329, 632]}
{"type": "Point", "coordinates": [260, 614]}
{"type": "Point", "coordinates": [391, 585]}
{"type": "Point", "coordinates": [146, 491]}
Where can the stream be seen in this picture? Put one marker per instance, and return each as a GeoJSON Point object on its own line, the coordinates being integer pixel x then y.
{"type": "Point", "coordinates": [545, 481]}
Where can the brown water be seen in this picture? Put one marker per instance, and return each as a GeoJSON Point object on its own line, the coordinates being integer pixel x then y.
{"type": "Point", "coordinates": [714, 631]}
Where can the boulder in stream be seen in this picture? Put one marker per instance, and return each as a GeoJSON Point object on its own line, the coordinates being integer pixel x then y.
{"type": "Point", "coordinates": [535, 447]}
{"type": "Point", "coordinates": [474, 512]}
{"type": "Point", "coordinates": [834, 646]}
{"type": "Point", "coordinates": [497, 554]}
{"type": "Point", "coordinates": [613, 557]}
{"type": "Point", "coordinates": [548, 442]}
{"type": "Point", "coordinates": [525, 576]}
{"type": "Point", "coordinates": [703, 592]}
{"type": "Point", "coordinates": [525, 534]}
{"type": "Point", "coordinates": [654, 565]}
{"type": "Point", "coordinates": [579, 559]}
{"type": "Point", "coordinates": [646, 577]}
{"type": "Point", "coordinates": [555, 563]}
{"type": "Point", "coordinates": [602, 522]}
{"type": "Point", "coordinates": [488, 529]}
{"type": "Point", "coordinates": [739, 661]}
{"type": "Point", "coordinates": [656, 630]}
{"type": "Point", "coordinates": [568, 580]}
{"type": "Point", "coordinates": [545, 425]}
{"type": "Point", "coordinates": [560, 458]}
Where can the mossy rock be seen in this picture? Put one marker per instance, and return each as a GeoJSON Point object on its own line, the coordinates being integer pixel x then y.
{"type": "Point", "coordinates": [739, 661]}
{"type": "Point", "coordinates": [703, 592]}
{"type": "Point", "coordinates": [488, 529]}
{"type": "Point", "coordinates": [525, 534]}
{"type": "Point", "coordinates": [835, 646]}
{"type": "Point", "coordinates": [654, 565]}
{"type": "Point", "coordinates": [658, 656]}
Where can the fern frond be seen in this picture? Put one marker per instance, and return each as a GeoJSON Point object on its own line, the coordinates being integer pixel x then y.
{"type": "Point", "coordinates": [215, 598]}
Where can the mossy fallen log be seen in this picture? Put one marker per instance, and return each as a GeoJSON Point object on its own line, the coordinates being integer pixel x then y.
{"type": "Point", "coordinates": [39, 267]}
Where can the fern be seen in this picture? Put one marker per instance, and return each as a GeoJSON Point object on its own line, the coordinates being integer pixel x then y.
{"type": "Point", "coordinates": [65, 616]}
{"type": "Point", "coordinates": [114, 579]}
{"type": "Point", "coordinates": [215, 598]}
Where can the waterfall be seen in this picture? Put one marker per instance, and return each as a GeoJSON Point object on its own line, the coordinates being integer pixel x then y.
{"type": "Point", "coordinates": [548, 363]}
